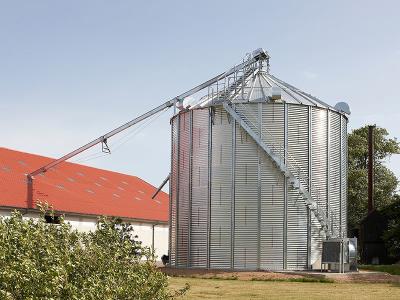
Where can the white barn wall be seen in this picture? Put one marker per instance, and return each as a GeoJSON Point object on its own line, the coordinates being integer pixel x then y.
{"type": "Point", "coordinates": [144, 231]}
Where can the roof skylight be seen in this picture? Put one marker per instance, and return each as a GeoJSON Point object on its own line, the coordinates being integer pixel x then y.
{"type": "Point", "coordinates": [60, 186]}
{"type": "Point", "coordinates": [6, 169]}
{"type": "Point", "coordinates": [22, 163]}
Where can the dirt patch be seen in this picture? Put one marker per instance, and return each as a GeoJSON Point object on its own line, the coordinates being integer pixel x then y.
{"type": "Point", "coordinates": [361, 277]}
{"type": "Point", "coordinates": [234, 275]}
{"type": "Point", "coordinates": [367, 277]}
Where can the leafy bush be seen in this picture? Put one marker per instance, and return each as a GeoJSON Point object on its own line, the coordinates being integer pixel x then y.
{"type": "Point", "coordinates": [48, 261]}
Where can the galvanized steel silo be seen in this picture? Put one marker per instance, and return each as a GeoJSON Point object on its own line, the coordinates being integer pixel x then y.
{"type": "Point", "coordinates": [233, 203]}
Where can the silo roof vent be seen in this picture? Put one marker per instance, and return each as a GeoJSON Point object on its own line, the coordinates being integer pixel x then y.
{"type": "Point", "coordinates": [343, 107]}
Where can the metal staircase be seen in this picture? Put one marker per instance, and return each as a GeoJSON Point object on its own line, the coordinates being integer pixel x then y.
{"type": "Point", "coordinates": [225, 91]}
{"type": "Point", "coordinates": [284, 162]}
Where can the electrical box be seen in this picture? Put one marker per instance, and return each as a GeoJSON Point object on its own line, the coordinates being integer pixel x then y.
{"type": "Point", "coordinates": [340, 255]}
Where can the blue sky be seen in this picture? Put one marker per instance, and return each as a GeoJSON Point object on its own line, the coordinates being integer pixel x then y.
{"type": "Point", "coordinates": [73, 70]}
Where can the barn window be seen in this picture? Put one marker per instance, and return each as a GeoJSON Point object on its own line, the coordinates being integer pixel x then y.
{"type": "Point", "coordinates": [52, 219]}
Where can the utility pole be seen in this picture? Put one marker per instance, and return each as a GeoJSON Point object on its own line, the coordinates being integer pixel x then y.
{"type": "Point", "coordinates": [371, 159]}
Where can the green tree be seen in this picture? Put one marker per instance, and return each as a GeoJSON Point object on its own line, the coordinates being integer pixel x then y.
{"type": "Point", "coordinates": [385, 181]}
{"type": "Point", "coordinates": [392, 235]}
{"type": "Point", "coordinates": [48, 261]}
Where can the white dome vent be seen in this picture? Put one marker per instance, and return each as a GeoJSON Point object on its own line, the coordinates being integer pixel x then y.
{"type": "Point", "coordinates": [343, 107]}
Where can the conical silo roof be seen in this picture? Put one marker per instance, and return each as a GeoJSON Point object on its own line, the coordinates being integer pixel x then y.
{"type": "Point", "coordinates": [263, 86]}
{"type": "Point", "coordinates": [253, 82]}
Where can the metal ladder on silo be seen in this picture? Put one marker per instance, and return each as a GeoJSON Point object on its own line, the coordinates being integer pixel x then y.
{"type": "Point", "coordinates": [285, 163]}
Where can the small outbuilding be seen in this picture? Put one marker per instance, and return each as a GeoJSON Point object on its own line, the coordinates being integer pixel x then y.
{"type": "Point", "coordinates": [372, 246]}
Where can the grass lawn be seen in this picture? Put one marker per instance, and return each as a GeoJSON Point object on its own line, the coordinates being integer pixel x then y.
{"type": "Point", "coordinates": [391, 269]}
{"type": "Point", "coordinates": [240, 289]}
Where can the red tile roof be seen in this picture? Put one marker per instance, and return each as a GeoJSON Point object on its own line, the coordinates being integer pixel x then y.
{"type": "Point", "coordinates": [80, 189]}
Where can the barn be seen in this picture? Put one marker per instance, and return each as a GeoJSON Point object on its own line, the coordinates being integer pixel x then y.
{"type": "Point", "coordinates": [82, 194]}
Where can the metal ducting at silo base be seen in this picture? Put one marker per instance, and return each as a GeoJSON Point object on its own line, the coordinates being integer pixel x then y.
{"type": "Point", "coordinates": [258, 177]}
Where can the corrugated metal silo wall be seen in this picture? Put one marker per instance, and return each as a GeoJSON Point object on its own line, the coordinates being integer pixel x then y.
{"type": "Point", "coordinates": [297, 213]}
{"type": "Point", "coordinates": [173, 190]}
{"type": "Point", "coordinates": [344, 154]}
{"type": "Point", "coordinates": [246, 200]}
{"type": "Point", "coordinates": [319, 172]}
{"type": "Point", "coordinates": [199, 186]}
{"type": "Point", "coordinates": [221, 191]}
{"type": "Point", "coordinates": [183, 190]}
{"type": "Point", "coordinates": [272, 214]}
{"type": "Point", "coordinates": [256, 220]}
{"type": "Point", "coordinates": [334, 172]}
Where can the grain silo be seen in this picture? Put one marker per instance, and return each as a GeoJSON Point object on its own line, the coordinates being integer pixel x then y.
{"type": "Point", "coordinates": [258, 174]}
